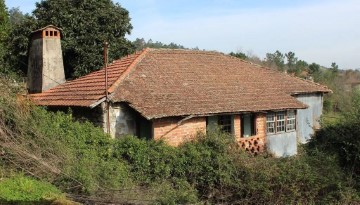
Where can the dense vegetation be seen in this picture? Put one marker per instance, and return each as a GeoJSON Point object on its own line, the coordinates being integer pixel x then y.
{"type": "Point", "coordinates": [81, 161]}
{"type": "Point", "coordinates": [47, 156]}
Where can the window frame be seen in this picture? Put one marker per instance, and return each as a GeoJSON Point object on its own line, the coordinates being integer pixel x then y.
{"type": "Point", "coordinates": [282, 125]}
{"type": "Point", "coordinates": [290, 121]}
{"type": "Point", "coordinates": [273, 116]}
{"type": "Point", "coordinates": [253, 129]}
{"type": "Point", "coordinates": [228, 126]}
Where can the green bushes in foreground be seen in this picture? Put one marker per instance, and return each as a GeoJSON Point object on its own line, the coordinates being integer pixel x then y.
{"type": "Point", "coordinates": [213, 169]}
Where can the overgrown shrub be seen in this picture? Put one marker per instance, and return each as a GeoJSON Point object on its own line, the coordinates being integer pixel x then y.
{"type": "Point", "coordinates": [76, 157]}
{"type": "Point", "coordinates": [24, 190]}
{"type": "Point", "coordinates": [341, 140]}
{"type": "Point", "coordinates": [213, 169]}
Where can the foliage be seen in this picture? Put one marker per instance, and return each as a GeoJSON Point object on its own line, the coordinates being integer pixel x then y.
{"type": "Point", "coordinates": [214, 169]}
{"type": "Point", "coordinates": [342, 140]}
{"type": "Point", "coordinates": [140, 44]}
{"type": "Point", "coordinates": [149, 160]}
{"type": "Point", "coordinates": [275, 59]}
{"type": "Point", "coordinates": [54, 147]}
{"type": "Point", "coordinates": [334, 67]}
{"type": "Point", "coordinates": [291, 60]}
{"type": "Point", "coordinates": [4, 30]}
{"type": "Point", "coordinates": [18, 41]}
{"type": "Point", "coordinates": [240, 55]}
{"type": "Point", "coordinates": [21, 189]}
{"type": "Point", "coordinates": [85, 25]}
{"type": "Point", "coordinates": [314, 68]}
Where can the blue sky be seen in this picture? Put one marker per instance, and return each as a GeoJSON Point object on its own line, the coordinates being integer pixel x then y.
{"type": "Point", "coordinates": [321, 31]}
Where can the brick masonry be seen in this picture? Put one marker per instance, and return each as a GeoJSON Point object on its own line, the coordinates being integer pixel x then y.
{"type": "Point", "coordinates": [174, 132]}
{"type": "Point", "coordinates": [254, 144]}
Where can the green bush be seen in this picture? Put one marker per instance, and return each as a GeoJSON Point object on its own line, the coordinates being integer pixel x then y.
{"type": "Point", "coordinates": [341, 140]}
{"type": "Point", "coordinates": [21, 189]}
{"type": "Point", "coordinates": [148, 160]}
{"type": "Point", "coordinates": [213, 169]}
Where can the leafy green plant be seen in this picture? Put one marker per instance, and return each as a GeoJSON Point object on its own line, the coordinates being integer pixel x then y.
{"type": "Point", "coordinates": [20, 188]}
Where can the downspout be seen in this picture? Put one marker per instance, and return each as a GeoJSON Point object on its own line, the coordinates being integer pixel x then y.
{"type": "Point", "coordinates": [106, 45]}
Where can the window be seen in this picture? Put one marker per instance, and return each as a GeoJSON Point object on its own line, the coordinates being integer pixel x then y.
{"type": "Point", "coordinates": [290, 121]}
{"type": "Point", "coordinates": [270, 123]}
{"type": "Point", "coordinates": [225, 124]}
{"type": "Point", "coordinates": [248, 125]}
{"type": "Point", "coordinates": [280, 122]}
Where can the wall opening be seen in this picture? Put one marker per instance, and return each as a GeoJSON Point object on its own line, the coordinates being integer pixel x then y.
{"type": "Point", "coordinates": [248, 125]}
{"type": "Point", "coordinates": [223, 122]}
{"type": "Point", "coordinates": [143, 128]}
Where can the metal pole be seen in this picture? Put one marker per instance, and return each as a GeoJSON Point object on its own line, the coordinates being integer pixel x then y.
{"type": "Point", "coordinates": [106, 44]}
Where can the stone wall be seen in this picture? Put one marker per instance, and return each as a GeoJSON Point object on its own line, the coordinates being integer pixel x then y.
{"type": "Point", "coordinates": [122, 120]}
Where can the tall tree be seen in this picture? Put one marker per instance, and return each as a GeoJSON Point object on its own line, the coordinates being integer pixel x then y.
{"type": "Point", "coordinates": [16, 16]}
{"type": "Point", "coordinates": [4, 30]}
{"type": "Point", "coordinates": [275, 60]}
{"type": "Point", "coordinates": [18, 42]}
{"type": "Point", "coordinates": [86, 25]}
{"type": "Point", "coordinates": [334, 67]}
{"type": "Point", "coordinates": [291, 60]}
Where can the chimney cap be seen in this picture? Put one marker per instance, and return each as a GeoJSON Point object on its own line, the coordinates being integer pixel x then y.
{"type": "Point", "coordinates": [48, 26]}
{"type": "Point", "coordinates": [44, 28]}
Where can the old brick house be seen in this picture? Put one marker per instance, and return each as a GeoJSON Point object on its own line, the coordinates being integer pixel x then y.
{"type": "Point", "coordinates": [173, 94]}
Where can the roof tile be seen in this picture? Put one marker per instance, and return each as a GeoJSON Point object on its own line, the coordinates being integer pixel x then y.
{"type": "Point", "coordinates": [164, 82]}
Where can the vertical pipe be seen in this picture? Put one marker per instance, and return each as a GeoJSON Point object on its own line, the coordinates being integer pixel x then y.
{"type": "Point", "coordinates": [106, 44]}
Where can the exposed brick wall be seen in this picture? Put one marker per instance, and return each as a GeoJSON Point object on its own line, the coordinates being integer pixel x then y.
{"type": "Point", "coordinates": [237, 126]}
{"type": "Point", "coordinates": [253, 144]}
{"type": "Point", "coordinates": [173, 133]}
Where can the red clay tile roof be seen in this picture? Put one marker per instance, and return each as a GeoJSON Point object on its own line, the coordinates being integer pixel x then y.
{"type": "Point", "coordinates": [184, 82]}
{"type": "Point", "coordinates": [163, 82]}
{"type": "Point", "coordinates": [87, 90]}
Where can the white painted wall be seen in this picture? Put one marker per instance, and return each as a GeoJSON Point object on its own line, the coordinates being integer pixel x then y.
{"type": "Point", "coordinates": [308, 119]}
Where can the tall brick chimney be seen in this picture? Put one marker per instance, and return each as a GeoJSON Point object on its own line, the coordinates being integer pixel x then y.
{"type": "Point", "coordinates": [45, 65]}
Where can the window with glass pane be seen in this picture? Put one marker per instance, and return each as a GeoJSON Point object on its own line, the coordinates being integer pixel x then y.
{"type": "Point", "coordinates": [248, 125]}
{"type": "Point", "coordinates": [290, 121]}
{"type": "Point", "coordinates": [270, 123]}
{"type": "Point", "coordinates": [225, 123]}
{"type": "Point", "coordinates": [280, 122]}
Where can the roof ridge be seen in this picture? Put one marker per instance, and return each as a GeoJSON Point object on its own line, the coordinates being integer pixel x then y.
{"type": "Point", "coordinates": [128, 69]}
{"type": "Point", "coordinates": [190, 51]}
